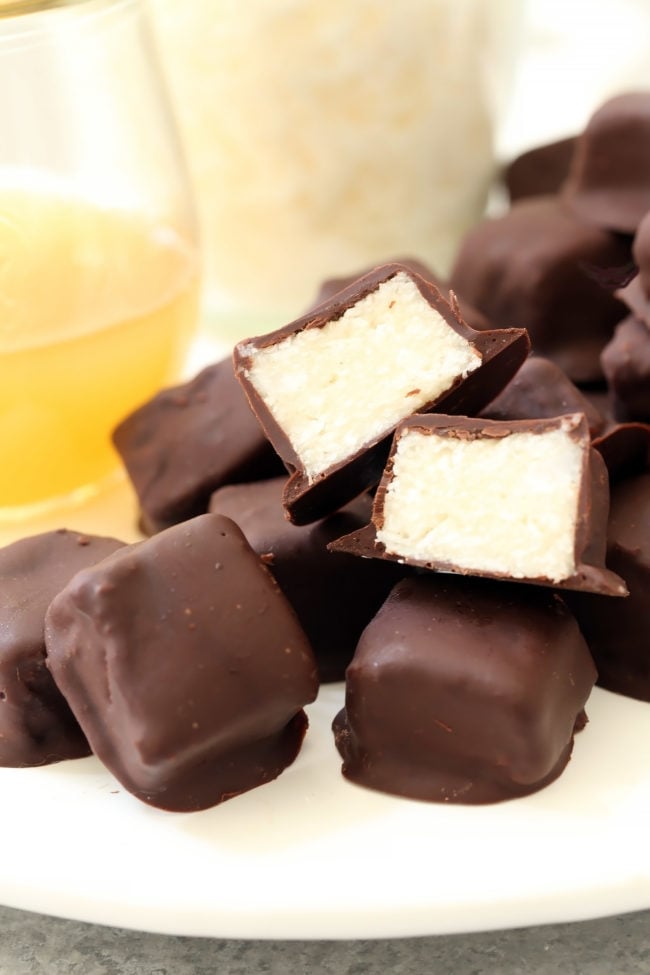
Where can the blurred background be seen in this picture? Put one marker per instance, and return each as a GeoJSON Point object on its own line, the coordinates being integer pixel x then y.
{"type": "Point", "coordinates": [573, 55]}
{"type": "Point", "coordinates": [327, 137]}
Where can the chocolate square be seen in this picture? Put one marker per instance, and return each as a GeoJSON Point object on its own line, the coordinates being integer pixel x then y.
{"type": "Point", "coordinates": [541, 267]}
{"type": "Point", "coordinates": [36, 725]}
{"type": "Point", "coordinates": [464, 691]}
{"type": "Point", "coordinates": [184, 665]}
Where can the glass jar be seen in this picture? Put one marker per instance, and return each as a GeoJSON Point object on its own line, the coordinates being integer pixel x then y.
{"type": "Point", "coordinates": [98, 254]}
{"type": "Point", "coordinates": [326, 136]}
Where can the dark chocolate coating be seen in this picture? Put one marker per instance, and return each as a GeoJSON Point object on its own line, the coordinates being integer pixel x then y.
{"type": "Point", "coordinates": [187, 441]}
{"type": "Point", "coordinates": [540, 267]}
{"type": "Point", "coordinates": [625, 448]}
{"type": "Point", "coordinates": [636, 293]}
{"type": "Point", "coordinates": [591, 525]}
{"type": "Point", "coordinates": [542, 390]}
{"type": "Point", "coordinates": [184, 665]}
{"type": "Point", "coordinates": [539, 171]}
{"type": "Point", "coordinates": [36, 725]}
{"type": "Point", "coordinates": [626, 364]}
{"type": "Point", "coordinates": [609, 178]}
{"type": "Point", "coordinates": [618, 630]}
{"type": "Point", "coordinates": [334, 595]}
{"type": "Point", "coordinates": [468, 313]}
{"type": "Point", "coordinates": [641, 253]}
{"type": "Point", "coordinates": [464, 691]}
{"type": "Point", "coordinates": [502, 352]}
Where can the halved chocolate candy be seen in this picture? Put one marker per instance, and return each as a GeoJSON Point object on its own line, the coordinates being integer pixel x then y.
{"type": "Point", "coordinates": [36, 725]}
{"type": "Point", "coordinates": [521, 500]}
{"type": "Point", "coordinates": [184, 665]}
{"type": "Point", "coordinates": [463, 690]}
{"type": "Point", "coordinates": [330, 388]}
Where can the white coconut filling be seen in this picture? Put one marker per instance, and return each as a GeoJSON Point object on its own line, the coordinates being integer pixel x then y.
{"type": "Point", "coordinates": [336, 388]}
{"type": "Point", "coordinates": [505, 505]}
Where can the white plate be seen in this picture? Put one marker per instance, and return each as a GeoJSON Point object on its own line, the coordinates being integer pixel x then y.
{"type": "Point", "coordinates": [312, 856]}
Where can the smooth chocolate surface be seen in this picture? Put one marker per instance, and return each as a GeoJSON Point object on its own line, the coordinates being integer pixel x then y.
{"type": "Point", "coordinates": [636, 292]}
{"type": "Point", "coordinates": [464, 691]}
{"type": "Point", "coordinates": [189, 440]}
{"type": "Point", "coordinates": [36, 725]}
{"type": "Point", "coordinates": [618, 630]}
{"type": "Point", "coordinates": [626, 364]}
{"type": "Point", "coordinates": [539, 171]}
{"type": "Point", "coordinates": [184, 665]}
{"type": "Point", "coordinates": [468, 313]}
{"type": "Point", "coordinates": [541, 268]}
{"type": "Point", "coordinates": [588, 531]}
{"type": "Point", "coordinates": [541, 390]}
{"type": "Point", "coordinates": [334, 595]}
{"type": "Point", "coordinates": [609, 178]}
{"type": "Point", "coordinates": [501, 352]}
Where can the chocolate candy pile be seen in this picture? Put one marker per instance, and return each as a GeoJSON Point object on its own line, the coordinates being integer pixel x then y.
{"type": "Point", "coordinates": [441, 535]}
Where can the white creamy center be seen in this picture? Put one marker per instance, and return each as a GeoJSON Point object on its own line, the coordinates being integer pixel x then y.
{"type": "Point", "coordinates": [490, 505]}
{"type": "Point", "coordinates": [336, 388]}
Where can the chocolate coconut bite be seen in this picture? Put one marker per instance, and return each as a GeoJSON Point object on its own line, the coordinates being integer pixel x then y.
{"type": "Point", "coordinates": [334, 594]}
{"type": "Point", "coordinates": [540, 267]}
{"type": "Point", "coordinates": [539, 390]}
{"type": "Point", "coordinates": [184, 665]}
{"type": "Point", "coordinates": [618, 630]}
{"type": "Point", "coordinates": [609, 178]}
{"type": "Point", "coordinates": [464, 691]}
{"type": "Point", "coordinates": [521, 500]}
{"type": "Point", "coordinates": [330, 388]}
{"type": "Point", "coordinates": [187, 441]}
{"type": "Point", "coordinates": [36, 725]}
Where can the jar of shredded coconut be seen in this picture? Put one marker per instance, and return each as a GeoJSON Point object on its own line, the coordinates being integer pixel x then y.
{"type": "Point", "coordinates": [326, 136]}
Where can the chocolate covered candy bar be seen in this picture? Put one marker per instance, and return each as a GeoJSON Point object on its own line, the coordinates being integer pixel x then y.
{"type": "Point", "coordinates": [540, 267]}
{"type": "Point", "coordinates": [334, 594]}
{"type": "Point", "coordinates": [330, 388]}
{"type": "Point", "coordinates": [184, 665]}
{"type": "Point", "coordinates": [464, 691]}
{"type": "Point", "coordinates": [187, 441]}
{"type": "Point", "coordinates": [618, 630]}
{"type": "Point", "coordinates": [36, 725]}
{"type": "Point", "coordinates": [540, 390]}
{"type": "Point", "coordinates": [609, 178]}
{"type": "Point", "coordinates": [520, 500]}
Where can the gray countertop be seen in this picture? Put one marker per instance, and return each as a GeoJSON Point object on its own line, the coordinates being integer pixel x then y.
{"type": "Point", "coordinates": [31, 944]}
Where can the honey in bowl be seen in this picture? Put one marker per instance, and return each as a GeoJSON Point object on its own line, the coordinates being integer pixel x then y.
{"type": "Point", "coordinates": [97, 306]}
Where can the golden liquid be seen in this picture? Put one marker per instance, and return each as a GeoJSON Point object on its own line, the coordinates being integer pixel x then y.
{"type": "Point", "coordinates": [97, 307]}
